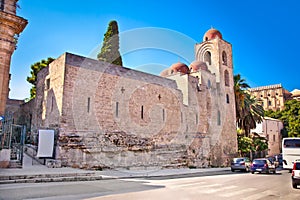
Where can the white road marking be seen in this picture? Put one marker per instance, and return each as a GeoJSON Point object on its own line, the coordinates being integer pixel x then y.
{"type": "Point", "coordinates": [200, 185]}
{"type": "Point", "coordinates": [210, 191]}
{"type": "Point", "coordinates": [262, 194]}
{"type": "Point", "coordinates": [238, 192]}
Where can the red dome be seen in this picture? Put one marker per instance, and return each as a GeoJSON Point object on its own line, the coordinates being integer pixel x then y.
{"type": "Point", "coordinates": [198, 65]}
{"type": "Point", "coordinates": [212, 34]}
{"type": "Point", "coordinates": [180, 67]}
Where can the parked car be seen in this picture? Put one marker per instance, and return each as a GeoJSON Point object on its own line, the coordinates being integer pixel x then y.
{"type": "Point", "coordinates": [242, 164]}
{"type": "Point", "coordinates": [296, 174]}
{"type": "Point", "coordinates": [262, 165]}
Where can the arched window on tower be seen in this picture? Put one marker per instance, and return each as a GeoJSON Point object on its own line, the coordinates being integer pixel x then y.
{"type": "Point", "coordinates": [208, 84]}
{"type": "Point", "coordinates": [207, 57]}
{"type": "Point", "coordinates": [224, 58]}
{"type": "Point", "coordinates": [227, 98]}
{"type": "Point", "coordinates": [226, 78]}
{"type": "Point", "coordinates": [219, 117]}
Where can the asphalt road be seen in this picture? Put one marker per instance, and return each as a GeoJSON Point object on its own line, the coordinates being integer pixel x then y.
{"type": "Point", "coordinates": [230, 186]}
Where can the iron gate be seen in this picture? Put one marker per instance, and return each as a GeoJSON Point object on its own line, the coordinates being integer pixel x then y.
{"type": "Point", "coordinates": [12, 136]}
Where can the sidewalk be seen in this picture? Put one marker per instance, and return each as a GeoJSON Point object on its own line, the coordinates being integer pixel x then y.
{"type": "Point", "coordinates": [41, 173]}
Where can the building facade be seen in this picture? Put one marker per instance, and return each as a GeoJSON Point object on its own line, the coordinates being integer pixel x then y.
{"type": "Point", "coordinates": [296, 94]}
{"type": "Point", "coordinates": [271, 130]}
{"type": "Point", "coordinates": [10, 27]}
{"type": "Point", "coordinates": [111, 116]}
{"type": "Point", "coordinates": [272, 97]}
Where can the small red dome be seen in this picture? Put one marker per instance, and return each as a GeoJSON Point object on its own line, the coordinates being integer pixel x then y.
{"type": "Point", "coordinates": [212, 34]}
{"type": "Point", "coordinates": [180, 67]}
{"type": "Point", "coordinates": [198, 65]}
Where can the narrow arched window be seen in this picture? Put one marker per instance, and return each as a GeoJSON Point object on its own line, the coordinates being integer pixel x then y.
{"type": "Point", "coordinates": [226, 78]}
{"type": "Point", "coordinates": [142, 112]}
{"type": "Point", "coordinates": [117, 109]}
{"type": "Point", "coordinates": [224, 58]}
{"type": "Point", "coordinates": [219, 117]}
{"type": "Point", "coordinates": [208, 84]}
{"type": "Point", "coordinates": [227, 98]}
{"type": "Point", "coordinates": [88, 104]}
{"type": "Point", "coordinates": [207, 57]}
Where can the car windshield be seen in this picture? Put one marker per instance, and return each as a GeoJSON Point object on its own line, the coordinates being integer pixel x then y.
{"type": "Point", "coordinates": [237, 160]}
{"type": "Point", "coordinates": [259, 161]}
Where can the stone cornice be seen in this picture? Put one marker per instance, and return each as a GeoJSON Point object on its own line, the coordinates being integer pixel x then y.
{"type": "Point", "coordinates": [268, 87]}
{"type": "Point", "coordinates": [14, 22]}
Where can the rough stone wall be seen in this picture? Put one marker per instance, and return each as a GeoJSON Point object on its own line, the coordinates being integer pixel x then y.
{"type": "Point", "coordinates": [53, 92]}
{"type": "Point", "coordinates": [111, 116]}
{"type": "Point", "coordinates": [104, 114]}
{"type": "Point", "coordinates": [222, 121]}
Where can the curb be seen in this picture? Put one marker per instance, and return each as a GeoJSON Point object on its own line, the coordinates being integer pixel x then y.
{"type": "Point", "coordinates": [45, 178]}
{"type": "Point", "coordinates": [91, 176]}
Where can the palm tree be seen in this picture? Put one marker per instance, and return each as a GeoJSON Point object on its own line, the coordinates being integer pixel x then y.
{"type": "Point", "coordinates": [239, 91]}
{"type": "Point", "coordinates": [254, 113]}
{"type": "Point", "coordinates": [248, 110]}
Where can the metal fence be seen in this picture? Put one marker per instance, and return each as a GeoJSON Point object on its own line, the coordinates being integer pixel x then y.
{"type": "Point", "coordinates": [12, 136]}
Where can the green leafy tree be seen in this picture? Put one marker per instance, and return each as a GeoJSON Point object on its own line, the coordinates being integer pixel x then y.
{"type": "Point", "coordinates": [248, 110]}
{"type": "Point", "coordinates": [244, 145]}
{"type": "Point", "coordinates": [290, 116]}
{"type": "Point", "coordinates": [35, 68]}
{"type": "Point", "coordinates": [110, 48]}
{"type": "Point", "coordinates": [240, 87]}
{"type": "Point", "coordinates": [260, 144]}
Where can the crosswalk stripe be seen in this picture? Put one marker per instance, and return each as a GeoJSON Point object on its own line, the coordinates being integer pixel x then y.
{"type": "Point", "coordinates": [238, 192]}
{"type": "Point", "coordinates": [198, 184]}
{"type": "Point", "coordinates": [210, 191]}
{"type": "Point", "coordinates": [261, 194]}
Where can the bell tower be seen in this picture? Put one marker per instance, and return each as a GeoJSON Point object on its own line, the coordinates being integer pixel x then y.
{"type": "Point", "coordinates": [11, 26]}
{"type": "Point", "coordinates": [217, 54]}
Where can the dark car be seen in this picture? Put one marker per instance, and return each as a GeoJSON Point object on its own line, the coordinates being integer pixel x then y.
{"type": "Point", "coordinates": [296, 174]}
{"type": "Point", "coordinates": [242, 164]}
{"type": "Point", "coordinates": [262, 165]}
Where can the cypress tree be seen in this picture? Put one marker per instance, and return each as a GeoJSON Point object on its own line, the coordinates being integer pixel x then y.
{"type": "Point", "coordinates": [110, 48]}
{"type": "Point", "coordinates": [35, 68]}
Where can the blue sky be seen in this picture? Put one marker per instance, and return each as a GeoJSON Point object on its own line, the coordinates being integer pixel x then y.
{"type": "Point", "coordinates": [264, 35]}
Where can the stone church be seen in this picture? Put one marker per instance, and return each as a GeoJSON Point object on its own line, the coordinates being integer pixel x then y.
{"type": "Point", "coordinates": [107, 116]}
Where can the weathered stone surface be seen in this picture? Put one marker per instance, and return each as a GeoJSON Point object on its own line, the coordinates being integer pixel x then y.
{"type": "Point", "coordinates": [108, 116]}
{"type": "Point", "coordinates": [10, 25]}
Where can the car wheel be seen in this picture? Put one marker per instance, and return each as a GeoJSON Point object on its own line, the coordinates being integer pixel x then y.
{"type": "Point", "coordinates": [252, 172]}
{"type": "Point", "coordinates": [232, 170]}
{"type": "Point", "coordinates": [294, 185]}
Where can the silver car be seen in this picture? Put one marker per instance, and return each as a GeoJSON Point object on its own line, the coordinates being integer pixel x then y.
{"type": "Point", "coordinates": [242, 164]}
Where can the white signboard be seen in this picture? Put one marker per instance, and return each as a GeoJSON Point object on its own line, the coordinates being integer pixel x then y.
{"type": "Point", "coordinates": [46, 143]}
